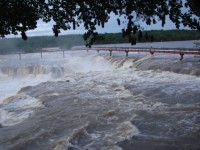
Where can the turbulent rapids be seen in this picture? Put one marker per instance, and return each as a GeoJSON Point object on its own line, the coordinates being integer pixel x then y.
{"type": "Point", "coordinates": [89, 101]}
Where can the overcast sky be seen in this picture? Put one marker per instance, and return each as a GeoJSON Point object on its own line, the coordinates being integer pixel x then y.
{"type": "Point", "coordinates": [110, 27]}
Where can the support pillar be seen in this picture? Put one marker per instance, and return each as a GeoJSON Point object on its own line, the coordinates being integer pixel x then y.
{"type": "Point", "coordinates": [126, 51]}
{"type": "Point", "coordinates": [181, 57]}
{"type": "Point", "coordinates": [151, 52]}
{"type": "Point", "coordinates": [110, 52]}
{"type": "Point", "coordinates": [41, 54]}
{"type": "Point", "coordinates": [63, 53]}
{"type": "Point", "coordinates": [20, 56]}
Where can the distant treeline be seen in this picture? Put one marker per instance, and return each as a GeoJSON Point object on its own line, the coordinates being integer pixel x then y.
{"type": "Point", "coordinates": [148, 36]}
{"type": "Point", "coordinates": [34, 44]}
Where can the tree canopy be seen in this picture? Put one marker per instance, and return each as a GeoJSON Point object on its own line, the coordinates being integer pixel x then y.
{"type": "Point", "coordinates": [19, 16]}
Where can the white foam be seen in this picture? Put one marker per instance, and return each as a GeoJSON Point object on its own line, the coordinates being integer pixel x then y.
{"type": "Point", "coordinates": [17, 109]}
{"type": "Point", "coordinates": [11, 118]}
{"type": "Point", "coordinates": [22, 101]}
{"type": "Point", "coordinates": [62, 144]}
{"type": "Point", "coordinates": [123, 131]}
{"type": "Point", "coordinates": [10, 86]}
{"type": "Point", "coordinates": [128, 64]}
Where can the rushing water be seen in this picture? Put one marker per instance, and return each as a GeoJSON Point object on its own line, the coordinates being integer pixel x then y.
{"type": "Point", "coordinates": [89, 101]}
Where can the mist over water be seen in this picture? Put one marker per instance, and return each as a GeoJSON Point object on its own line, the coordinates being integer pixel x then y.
{"type": "Point", "coordinates": [87, 100]}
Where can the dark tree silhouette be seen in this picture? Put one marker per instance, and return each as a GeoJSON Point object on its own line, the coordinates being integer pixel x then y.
{"type": "Point", "coordinates": [133, 41]}
{"type": "Point", "coordinates": [152, 38]}
{"type": "Point", "coordinates": [195, 6]}
{"type": "Point", "coordinates": [19, 16]}
{"type": "Point", "coordinates": [146, 36]}
{"type": "Point", "coordinates": [139, 35]}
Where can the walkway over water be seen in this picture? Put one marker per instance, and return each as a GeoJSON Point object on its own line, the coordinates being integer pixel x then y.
{"type": "Point", "coordinates": [180, 51]}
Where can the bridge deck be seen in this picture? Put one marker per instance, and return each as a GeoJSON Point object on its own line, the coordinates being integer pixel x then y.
{"type": "Point", "coordinates": [180, 51]}
{"type": "Point", "coordinates": [191, 51]}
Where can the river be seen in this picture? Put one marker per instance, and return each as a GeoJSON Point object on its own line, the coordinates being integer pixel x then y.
{"type": "Point", "coordinates": [91, 101]}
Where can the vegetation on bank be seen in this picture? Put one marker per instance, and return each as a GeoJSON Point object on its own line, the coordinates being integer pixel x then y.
{"type": "Point", "coordinates": [34, 44]}
{"type": "Point", "coordinates": [148, 36]}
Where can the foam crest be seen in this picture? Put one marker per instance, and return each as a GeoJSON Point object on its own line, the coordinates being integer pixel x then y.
{"type": "Point", "coordinates": [123, 131]}
{"type": "Point", "coordinates": [128, 63]}
{"type": "Point", "coordinates": [84, 138]}
{"type": "Point", "coordinates": [72, 140]}
{"type": "Point", "coordinates": [32, 70]}
{"type": "Point", "coordinates": [10, 86]}
{"type": "Point", "coordinates": [18, 108]}
{"type": "Point", "coordinates": [54, 71]}
{"type": "Point", "coordinates": [81, 62]}
{"type": "Point", "coordinates": [163, 62]}
{"type": "Point", "coordinates": [62, 144]}
{"type": "Point", "coordinates": [89, 63]}
{"type": "Point", "coordinates": [10, 118]}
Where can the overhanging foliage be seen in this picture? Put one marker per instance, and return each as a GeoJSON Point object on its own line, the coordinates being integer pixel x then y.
{"type": "Point", "coordinates": [22, 15]}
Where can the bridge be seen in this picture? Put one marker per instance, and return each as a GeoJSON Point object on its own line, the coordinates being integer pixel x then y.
{"type": "Point", "coordinates": [127, 50]}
